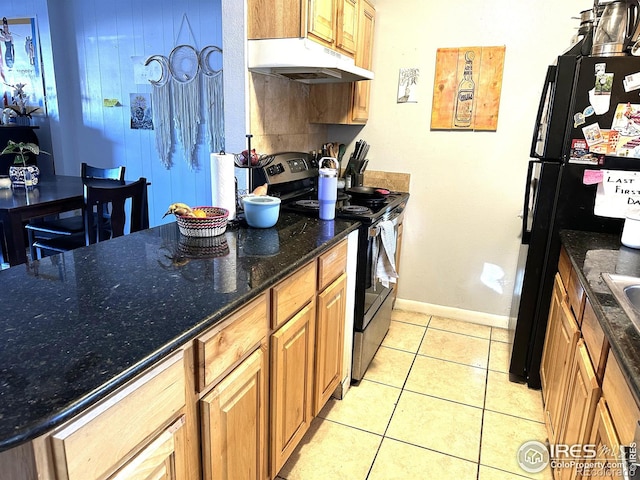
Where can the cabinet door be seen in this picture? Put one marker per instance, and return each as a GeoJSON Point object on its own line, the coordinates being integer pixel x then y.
{"type": "Point", "coordinates": [276, 19]}
{"type": "Point", "coordinates": [562, 344]}
{"type": "Point", "coordinates": [362, 89]}
{"type": "Point", "coordinates": [347, 26]}
{"type": "Point", "coordinates": [291, 384]}
{"type": "Point", "coordinates": [329, 341]}
{"type": "Point", "coordinates": [322, 14]}
{"type": "Point", "coordinates": [234, 423]}
{"type": "Point", "coordinates": [579, 408]}
{"type": "Point", "coordinates": [550, 350]}
{"type": "Point", "coordinates": [162, 459]}
{"type": "Point", "coordinates": [604, 438]}
{"type": "Point", "coordinates": [105, 437]}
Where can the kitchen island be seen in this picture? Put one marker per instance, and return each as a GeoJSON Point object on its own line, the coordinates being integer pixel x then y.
{"type": "Point", "coordinates": [78, 326]}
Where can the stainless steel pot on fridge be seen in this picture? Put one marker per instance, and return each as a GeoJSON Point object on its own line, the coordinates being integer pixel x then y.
{"type": "Point", "coordinates": [617, 29]}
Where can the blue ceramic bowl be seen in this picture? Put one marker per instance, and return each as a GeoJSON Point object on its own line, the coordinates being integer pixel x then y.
{"type": "Point", "coordinates": [261, 211]}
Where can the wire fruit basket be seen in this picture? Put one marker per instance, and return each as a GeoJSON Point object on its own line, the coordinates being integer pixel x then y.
{"type": "Point", "coordinates": [214, 224]}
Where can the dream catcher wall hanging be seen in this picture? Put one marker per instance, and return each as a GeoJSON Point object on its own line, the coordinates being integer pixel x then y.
{"type": "Point", "coordinates": [213, 99]}
{"type": "Point", "coordinates": [161, 111]}
{"type": "Point", "coordinates": [176, 96]}
{"type": "Point", "coordinates": [185, 93]}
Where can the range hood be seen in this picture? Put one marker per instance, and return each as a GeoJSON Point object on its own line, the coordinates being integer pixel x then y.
{"type": "Point", "coordinates": [302, 60]}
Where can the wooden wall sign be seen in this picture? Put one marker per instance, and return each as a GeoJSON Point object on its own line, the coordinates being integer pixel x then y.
{"type": "Point", "coordinates": [467, 86]}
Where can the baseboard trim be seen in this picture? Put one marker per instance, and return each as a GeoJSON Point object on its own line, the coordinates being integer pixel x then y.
{"type": "Point", "coordinates": [470, 316]}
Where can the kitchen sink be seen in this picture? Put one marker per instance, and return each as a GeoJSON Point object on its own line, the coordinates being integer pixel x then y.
{"type": "Point", "coordinates": [626, 291]}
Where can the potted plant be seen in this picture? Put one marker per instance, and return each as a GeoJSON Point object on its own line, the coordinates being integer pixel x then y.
{"type": "Point", "coordinates": [19, 112]}
{"type": "Point", "coordinates": [20, 173]}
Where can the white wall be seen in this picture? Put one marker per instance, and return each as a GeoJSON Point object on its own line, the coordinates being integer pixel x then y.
{"type": "Point", "coordinates": [466, 187]}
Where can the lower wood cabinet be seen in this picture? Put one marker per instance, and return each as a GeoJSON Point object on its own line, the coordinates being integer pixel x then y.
{"type": "Point", "coordinates": [605, 440]}
{"type": "Point", "coordinates": [329, 341]}
{"type": "Point", "coordinates": [233, 418]}
{"type": "Point", "coordinates": [560, 344]}
{"type": "Point", "coordinates": [124, 427]}
{"type": "Point", "coordinates": [292, 363]}
{"type": "Point", "coordinates": [162, 459]}
{"type": "Point", "coordinates": [232, 404]}
{"type": "Point", "coordinates": [578, 411]}
{"type": "Point", "coordinates": [588, 403]}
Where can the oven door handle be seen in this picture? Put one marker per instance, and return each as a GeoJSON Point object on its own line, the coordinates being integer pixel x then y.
{"type": "Point", "coordinates": [374, 231]}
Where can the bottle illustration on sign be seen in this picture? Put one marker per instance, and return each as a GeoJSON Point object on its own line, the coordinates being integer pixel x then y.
{"type": "Point", "coordinates": [466, 94]}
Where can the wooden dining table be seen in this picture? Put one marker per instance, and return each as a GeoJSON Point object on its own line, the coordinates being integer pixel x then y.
{"type": "Point", "coordinates": [51, 196]}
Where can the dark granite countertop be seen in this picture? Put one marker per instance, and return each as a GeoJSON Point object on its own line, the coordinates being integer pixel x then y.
{"type": "Point", "coordinates": [591, 255]}
{"type": "Point", "coordinates": [76, 326]}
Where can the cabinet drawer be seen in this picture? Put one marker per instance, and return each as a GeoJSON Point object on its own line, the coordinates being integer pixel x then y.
{"type": "Point", "coordinates": [564, 267]}
{"type": "Point", "coordinates": [103, 438]}
{"type": "Point", "coordinates": [594, 339]}
{"type": "Point", "coordinates": [332, 264]}
{"type": "Point", "coordinates": [576, 295]}
{"type": "Point", "coordinates": [622, 406]}
{"type": "Point", "coordinates": [226, 344]}
{"type": "Point", "coordinates": [293, 293]}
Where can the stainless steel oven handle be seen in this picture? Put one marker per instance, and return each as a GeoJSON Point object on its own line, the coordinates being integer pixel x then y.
{"type": "Point", "coordinates": [394, 218]}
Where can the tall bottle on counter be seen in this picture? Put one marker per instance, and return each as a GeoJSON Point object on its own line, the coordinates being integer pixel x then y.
{"type": "Point", "coordinates": [327, 187]}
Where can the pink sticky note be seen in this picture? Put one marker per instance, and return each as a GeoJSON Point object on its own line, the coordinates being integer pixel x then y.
{"type": "Point", "coordinates": [591, 177]}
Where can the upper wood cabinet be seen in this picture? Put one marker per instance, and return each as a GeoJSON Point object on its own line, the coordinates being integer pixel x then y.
{"type": "Point", "coordinates": [347, 26]}
{"type": "Point", "coordinates": [347, 103]}
{"type": "Point", "coordinates": [322, 21]}
{"type": "Point", "coordinates": [332, 23]}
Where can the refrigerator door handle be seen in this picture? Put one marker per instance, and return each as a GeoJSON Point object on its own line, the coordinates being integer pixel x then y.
{"type": "Point", "coordinates": [543, 107]}
{"type": "Point", "coordinates": [526, 233]}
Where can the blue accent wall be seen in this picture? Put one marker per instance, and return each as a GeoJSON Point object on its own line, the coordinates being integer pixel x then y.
{"type": "Point", "coordinates": [87, 50]}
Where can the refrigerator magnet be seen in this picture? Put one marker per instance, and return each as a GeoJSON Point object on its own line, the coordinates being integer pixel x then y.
{"type": "Point", "coordinates": [631, 82]}
{"type": "Point", "coordinates": [592, 134]}
{"type": "Point", "coordinates": [578, 119]}
{"type": "Point", "coordinates": [604, 83]}
{"type": "Point", "coordinates": [600, 103]}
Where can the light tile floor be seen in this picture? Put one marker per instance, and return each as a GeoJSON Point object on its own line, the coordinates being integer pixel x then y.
{"type": "Point", "coordinates": [435, 403]}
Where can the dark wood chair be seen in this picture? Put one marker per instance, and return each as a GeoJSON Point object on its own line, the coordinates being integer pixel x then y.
{"type": "Point", "coordinates": [50, 228]}
{"type": "Point", "coordinates": [100, 197]}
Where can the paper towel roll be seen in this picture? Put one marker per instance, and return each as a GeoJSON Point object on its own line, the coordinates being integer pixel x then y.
{"type": "Point", "coordinates": [223, 183]}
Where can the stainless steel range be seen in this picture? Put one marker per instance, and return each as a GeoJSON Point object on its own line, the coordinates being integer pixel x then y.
{"type": "Point", "coordinates": [293, 177]}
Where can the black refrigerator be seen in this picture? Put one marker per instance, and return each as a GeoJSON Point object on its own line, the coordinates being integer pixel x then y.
{"type": "Point", "coordinates": [588, 120]}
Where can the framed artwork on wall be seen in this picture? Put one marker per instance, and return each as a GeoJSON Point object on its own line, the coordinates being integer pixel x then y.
{"type": "Point", "coordinates": [467, 87]}
{"type": "Point", "coordinates": [20, 63]}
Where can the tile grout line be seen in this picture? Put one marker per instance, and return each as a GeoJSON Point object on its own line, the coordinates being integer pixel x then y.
{"type": "Point", "coordinates": [384, 434]}
{"type": "Point", "coordinates": [484, 405]}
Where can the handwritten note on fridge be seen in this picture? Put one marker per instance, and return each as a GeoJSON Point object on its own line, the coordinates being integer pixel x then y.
{"type": "Point", "coordinates": [618, 193]}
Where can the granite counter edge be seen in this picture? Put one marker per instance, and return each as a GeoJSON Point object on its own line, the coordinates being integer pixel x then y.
{"type": "Point", "coordinates": [49, 422]}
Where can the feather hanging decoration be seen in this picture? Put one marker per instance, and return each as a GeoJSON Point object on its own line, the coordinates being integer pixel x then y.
{"type": "Point", "coordinates": [185, 89]}
{"type": "Point", "coordinates": [161, 111]}
{"type": "Point", "coordinates": [214, 100]}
